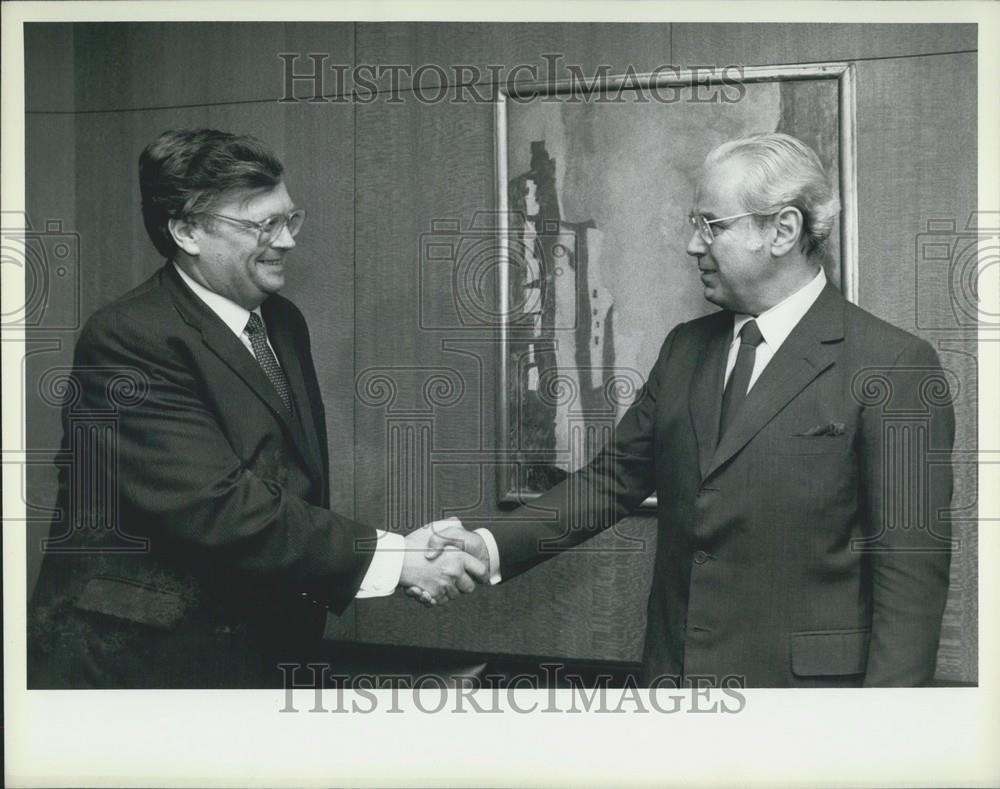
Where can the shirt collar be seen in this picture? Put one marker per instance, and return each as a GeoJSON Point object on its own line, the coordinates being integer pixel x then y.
{"type": "Point", "coordinates": [777, 323]}
{"type": "Point", "coordinates": [230, 313]}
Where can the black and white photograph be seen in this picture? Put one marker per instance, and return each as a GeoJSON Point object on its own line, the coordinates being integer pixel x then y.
{"type": "Point", "coordinates": [393, 374]}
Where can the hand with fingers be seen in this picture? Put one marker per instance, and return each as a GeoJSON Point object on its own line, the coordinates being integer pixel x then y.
{"type": "Point", "coordinates": [443, 537]}
{"type": "Point", "coordinates": [434, 572]}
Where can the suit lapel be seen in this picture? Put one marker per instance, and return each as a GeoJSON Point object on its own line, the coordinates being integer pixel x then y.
{"type": "Point", "coordinates": [218, 337]}
{"type": "Point", "coordinates": [706, 390]}
{"type": "Point", "coordinates": [811, 348]}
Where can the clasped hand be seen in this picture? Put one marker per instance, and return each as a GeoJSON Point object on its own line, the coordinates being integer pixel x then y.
{"type": "Point", "coordinates": [442, 561]}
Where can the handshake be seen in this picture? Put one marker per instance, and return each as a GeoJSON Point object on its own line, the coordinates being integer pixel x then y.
{"type": "Point", "coordinates": [442, 561]}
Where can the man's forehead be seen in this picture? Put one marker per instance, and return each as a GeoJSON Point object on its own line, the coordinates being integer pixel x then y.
{"type": "Point", "coordinates": [717, 191]}
{"type": "Point", "coordinates": [271, 199]}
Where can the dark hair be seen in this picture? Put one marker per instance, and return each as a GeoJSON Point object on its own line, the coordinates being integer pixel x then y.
{"type": "Point", "coordinates": [185, 171]}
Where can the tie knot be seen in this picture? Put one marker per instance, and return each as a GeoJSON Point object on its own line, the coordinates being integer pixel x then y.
{"type": "Point", "coordinates": [750, 334]}
{"type": "Point", "coordinates": [255, 324]}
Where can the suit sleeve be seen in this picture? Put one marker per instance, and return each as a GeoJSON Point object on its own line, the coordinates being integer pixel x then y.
{"type": "Point", "coordinates": [906, 479]}
{"type": "Point", "coordinates": [179, 478]}
{"type": "Point", "coordinates": [595, 497]}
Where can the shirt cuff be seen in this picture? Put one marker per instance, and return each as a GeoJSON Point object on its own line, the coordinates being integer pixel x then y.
{"type": "Point", "coordinates": [383, 573]}
{"type": "Point", "coordinates": [494, 553]}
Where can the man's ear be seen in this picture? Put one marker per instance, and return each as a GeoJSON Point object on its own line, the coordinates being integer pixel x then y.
{"type": "Point", "coordinates": [788, 227]}
{"type": "Point", "coordinates": [185, 235]}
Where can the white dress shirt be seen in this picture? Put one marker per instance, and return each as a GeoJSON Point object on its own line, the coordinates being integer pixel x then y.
{"type": "Point", "coordinates": [230, 313]}
{"type": "Point", "coordinates": [383, 573]}
{"type": "Point", "coordinates": [775, 325]}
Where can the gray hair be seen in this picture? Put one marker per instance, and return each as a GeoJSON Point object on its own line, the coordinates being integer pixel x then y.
{"type": "Point", "coordinates": [783, 171]}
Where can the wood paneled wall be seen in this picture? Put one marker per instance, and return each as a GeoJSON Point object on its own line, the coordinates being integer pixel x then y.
{"type": "Point", "coordinates": [376, 176]}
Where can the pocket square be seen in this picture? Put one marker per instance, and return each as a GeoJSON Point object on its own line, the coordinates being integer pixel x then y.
{"type": "Point", "coordinates": [831, 429]}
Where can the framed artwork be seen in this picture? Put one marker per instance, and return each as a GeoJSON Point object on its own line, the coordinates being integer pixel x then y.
{"type": "Point", "coordinates": [595, 182]}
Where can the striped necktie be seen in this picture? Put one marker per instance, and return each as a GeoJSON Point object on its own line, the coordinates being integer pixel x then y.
{"type": "Point", "coordinates": [739, 379]}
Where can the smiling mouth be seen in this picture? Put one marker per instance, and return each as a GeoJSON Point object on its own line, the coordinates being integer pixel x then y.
{"type": "Point", "coordinates": [275, 262]}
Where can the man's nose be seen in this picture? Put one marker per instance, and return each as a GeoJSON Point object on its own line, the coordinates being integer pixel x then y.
{"type": "Point", "coordinates": [696, 246]}
{"type": "Point", "coordinates": [284, 239]}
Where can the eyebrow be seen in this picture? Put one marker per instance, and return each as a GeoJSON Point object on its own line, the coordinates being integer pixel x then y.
{"type": "Point", "coordinates": [279, 213]}
{"type": "Point", "coordinates": [707, 214]}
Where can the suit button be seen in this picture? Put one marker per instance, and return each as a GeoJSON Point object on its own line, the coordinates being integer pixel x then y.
{"type": "Point", "coordinates": [700, 557]}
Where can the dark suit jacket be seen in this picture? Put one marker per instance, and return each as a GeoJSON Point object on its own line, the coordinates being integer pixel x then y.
{"type": "Point", "coordinates": [194, 546]}
{"type": "Point", "coordinates": [808, 547]}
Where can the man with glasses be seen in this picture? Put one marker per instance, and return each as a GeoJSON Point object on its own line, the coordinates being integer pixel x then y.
{"type": "Point", "coordinates": [799, 449]}
{"type": "Point", "coordinates": [207, 555]}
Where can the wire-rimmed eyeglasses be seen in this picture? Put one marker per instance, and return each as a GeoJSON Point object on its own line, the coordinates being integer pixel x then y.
{"type": "Point", "coordinates": [704, 225]}
{"type": "Point", "coordinates": [270, 228]}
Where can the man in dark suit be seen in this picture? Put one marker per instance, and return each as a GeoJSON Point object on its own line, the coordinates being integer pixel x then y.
{"type": "Point", "coordinates": [799, 449]}
{"type": "Point", "coordinates": [194, 545]}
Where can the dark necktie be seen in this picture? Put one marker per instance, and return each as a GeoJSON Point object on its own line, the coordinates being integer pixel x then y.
{"type": "Point", "coordinates": [265, 357]}
{"type": "Point", "coordinates": [739, 379]}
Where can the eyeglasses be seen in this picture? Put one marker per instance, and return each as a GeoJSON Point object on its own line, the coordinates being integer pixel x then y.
{"type": "Point", "coordinates": [704, 225]}
{"type": "Point", "coordinates": [270, 228]}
